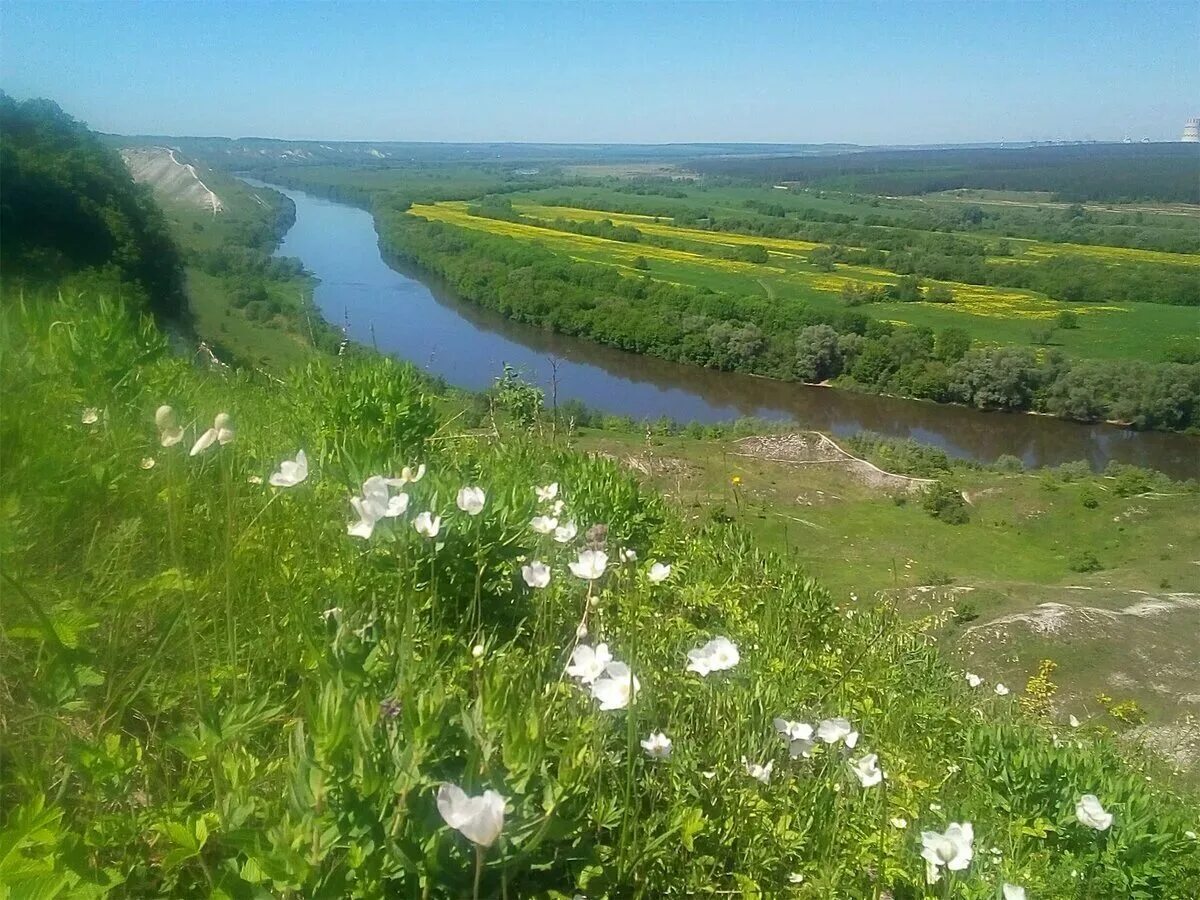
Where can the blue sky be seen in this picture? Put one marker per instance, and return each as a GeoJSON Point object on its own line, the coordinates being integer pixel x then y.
{"type": "Point", "coordinates": [871, 73]}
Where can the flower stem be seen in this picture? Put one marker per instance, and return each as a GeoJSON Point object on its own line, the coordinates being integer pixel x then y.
{"type": "Point", "coordinates": [230, 628]}
{"type": "Point", "coordinates": [479, 853]}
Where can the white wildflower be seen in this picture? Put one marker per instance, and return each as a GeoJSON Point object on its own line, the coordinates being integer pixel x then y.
{"type": "Point", "coordinates": [536, 574]}
{"type": "Point", "coordinates": [427, 524]}
{"type": "Point", "coordinates": [658, 573]}
{"type": "Point", "coordinates": [717, 655]}
{"type": "Point", "coordinates": [616, 688]}
{"type": "Point", "coordinates": [1089, 812]}
{"type": "Point", "coordinates": [657, 746]}
{"type": "Point", "coordinates": [590, 565]}
{"type": "Point", "coordinates": [587, 663]}
{"type": "Point", "coordinates": [291, 472]}
{"type": "Point", "coordinates": [757, 772]}
{"type": "Point", "coordinates": [169, 431]}
{"type": "Point", "coordinates": [543, 524]}
{"type": "Point", "coordinates": [224, 427]}
{"type": "Point", "coordinates": [479, 819]}
{"type": "Point", "coordinates": [868, 771]}
{"type": "Point", "coordinates": [833, 730]}
{"type": "Point", "coordinates": [471, 499]}
{"type": "Point", "coordinates": [951, 849]}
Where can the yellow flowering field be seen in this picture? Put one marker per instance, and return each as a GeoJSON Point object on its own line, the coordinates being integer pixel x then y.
{"type": "Point", "coordinates": [613, 252]}
{"type": "Point", "coordinates": [971, 299]}
{"type": "Point", "coordinates": [1111, 255]}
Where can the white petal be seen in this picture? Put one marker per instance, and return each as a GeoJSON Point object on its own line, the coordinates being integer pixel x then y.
{"type": "Point", "coordinates": [205, 441]}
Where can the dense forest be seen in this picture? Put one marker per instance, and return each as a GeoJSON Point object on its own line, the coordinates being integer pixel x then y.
{"type": "Point", "coordinates": [751, 333]}
{"type": "Point", "coordinates": [69, 204]}
{"type": "Point", "coordinates": [1099, 172]}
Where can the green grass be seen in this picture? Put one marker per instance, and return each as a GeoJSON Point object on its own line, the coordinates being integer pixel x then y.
{"type": "Point", "coordinates": [210, 689]}
{"type": "Point", "coordinates": [275, 344]}
{"type": "Point", "coordinates": [1014, 554]}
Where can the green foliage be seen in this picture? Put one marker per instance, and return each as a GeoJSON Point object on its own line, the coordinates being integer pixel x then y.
{"type": "Point", "coordinates": [211, 689]}
{"type": "Point", "coordinates": [1084, 560]}
{"type": "Point", "coordinates": [906, 457]}
{"type": "Point", "coordinates": [1008, 463]}
{"type": "Point", "coordinates": [516, 396]}
{"type": "Point", "coordinates": [946, 503]}
{"type": "Point", "coordinates": [71, 205]}
{"type": "Point", "coordinates": [1067, 319]}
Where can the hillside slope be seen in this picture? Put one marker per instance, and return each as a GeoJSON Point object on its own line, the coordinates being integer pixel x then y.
{"type": "Point", "coordinates": [170, 178]}
{"type": "Point", "coordinates": [211, 688]}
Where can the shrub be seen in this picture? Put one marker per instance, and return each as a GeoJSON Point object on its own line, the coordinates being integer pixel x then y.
{"type": "Point", "coordinates": [965, 612]}
{"type": "Point", "coordinates": [946, 504]}
{"type": "Point", "coordinates": [1084, 561]}
{"type": "Point", "coordinates": [1008, 464]}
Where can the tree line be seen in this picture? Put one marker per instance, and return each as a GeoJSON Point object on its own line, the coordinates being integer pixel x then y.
{"type": "Point", "coordinates": [789, 341]}
{"type": "Point", "coordinates": [1101, 172]}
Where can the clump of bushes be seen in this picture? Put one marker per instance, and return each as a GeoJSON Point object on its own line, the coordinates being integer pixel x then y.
{"type": "Point", "coordinates": [946, 504]}
{"type": "Point", "coordinates": [1084, 561]}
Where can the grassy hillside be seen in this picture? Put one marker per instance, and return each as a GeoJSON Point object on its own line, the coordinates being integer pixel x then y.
{"type": "Point", "coordinates": [212, 689]}
{"type": "Point", "coordinates": [252, 308]}
{"type": "Point", "coordinates": [1095, 572]}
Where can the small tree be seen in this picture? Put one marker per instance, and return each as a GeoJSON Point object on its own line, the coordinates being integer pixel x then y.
{"type": "Point", "coordinates": [939, 293]}
{"type": "Point", "coordinates": [1067, 319]}
{"type": "Point", "coordinates": [822, 259]}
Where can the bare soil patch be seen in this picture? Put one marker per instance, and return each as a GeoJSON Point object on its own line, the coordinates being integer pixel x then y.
{"type": "Point", "coordinates": [814, 448]}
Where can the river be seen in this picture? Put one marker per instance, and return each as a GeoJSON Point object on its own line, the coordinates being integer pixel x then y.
{"type": "Point", "coordinates": [421, 321]}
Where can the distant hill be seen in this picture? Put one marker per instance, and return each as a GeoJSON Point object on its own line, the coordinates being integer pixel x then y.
{"type": "Point", "coordinates": [69, 205]}
{"type": "Point", "coordinates": [1075, 173]}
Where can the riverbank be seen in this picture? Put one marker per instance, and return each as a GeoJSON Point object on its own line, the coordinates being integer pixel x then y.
{"type": "Point", "coordinates": [468, 346]}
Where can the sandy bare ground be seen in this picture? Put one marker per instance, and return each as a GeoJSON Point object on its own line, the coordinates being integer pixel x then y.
{"type": "Point", "coordinates": [1142, 646]}
{"type": "Point", "coordinates": [159, 168]}
{"type": "Point", "coordinates": [813, 448]}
